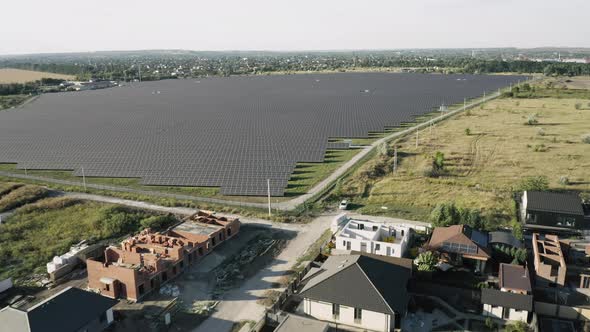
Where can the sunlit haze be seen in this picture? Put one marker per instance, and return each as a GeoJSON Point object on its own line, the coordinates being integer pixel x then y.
{"type": "Point", "coordinates": [35, 26]}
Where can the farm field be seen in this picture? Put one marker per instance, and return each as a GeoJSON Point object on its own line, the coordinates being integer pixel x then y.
{"type": "Point", "coordinates": [10, 75]}
{"type": "Point", "coordinates": [487, 152]}
{"type": "Point", "coordinates": [41, 227]}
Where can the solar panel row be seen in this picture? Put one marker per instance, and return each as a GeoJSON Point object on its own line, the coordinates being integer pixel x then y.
{"type": "Point", "coordinates": [229, 132]}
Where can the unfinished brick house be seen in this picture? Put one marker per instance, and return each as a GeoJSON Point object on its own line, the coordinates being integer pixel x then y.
{"type": "Point", "coordinates": [550, 264]}
{"type": "Point", "coordinates": [149, 259]}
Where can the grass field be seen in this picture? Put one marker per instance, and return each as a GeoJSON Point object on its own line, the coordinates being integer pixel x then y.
{"type": "Point", "coordinates": [12, 101]}
{"type": "Point", "coordinates": [9, 75]}
{"type": "Point", "coordinates": [484, 167]}
{"type": "Point", "coordinates": [42, 228]}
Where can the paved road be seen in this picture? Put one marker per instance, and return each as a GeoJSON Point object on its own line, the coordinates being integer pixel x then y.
{"type": "Point", "coordinates": [284, 206]}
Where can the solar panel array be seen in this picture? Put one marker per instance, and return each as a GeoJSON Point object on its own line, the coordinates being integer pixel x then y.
{"type": "Point", "coordinates": [233, 133]}
{"type": "Point", "coordinates": [459, 248]}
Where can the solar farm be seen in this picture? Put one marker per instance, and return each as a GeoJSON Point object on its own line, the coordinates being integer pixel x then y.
{"type": "Point", "coordinates": [233, 133]}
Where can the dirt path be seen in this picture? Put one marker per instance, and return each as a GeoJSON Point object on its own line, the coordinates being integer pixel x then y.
{"type": "Point", "coordinates": [241, 303]}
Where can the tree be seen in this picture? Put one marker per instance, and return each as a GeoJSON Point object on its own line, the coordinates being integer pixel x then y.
{"type": "Point", "coordinates": [517, 327]}
{"type": "Point", "coordinates": [427, 261]}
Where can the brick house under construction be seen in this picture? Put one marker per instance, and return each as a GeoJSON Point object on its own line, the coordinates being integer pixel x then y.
{"type": "Point", "coordinates": [150, 259]}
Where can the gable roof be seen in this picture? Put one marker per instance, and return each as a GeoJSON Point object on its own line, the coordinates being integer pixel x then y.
{"type": "Point", "coordinates": [554, 202]}
{"type": "Point", "coordinates": [69, 310]}
{"type": "Point", "coordinates": [507, 299]}
{"type": "Point", "coordinates": [371, 282]}
{"type": "Point", "coordinates": [514, 277]}
{"type": "Point", "coordinates": [460, 239]}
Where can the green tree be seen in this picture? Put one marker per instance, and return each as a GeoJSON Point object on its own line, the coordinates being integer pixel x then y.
{"type": "Point", "coordinates": [517, 327]}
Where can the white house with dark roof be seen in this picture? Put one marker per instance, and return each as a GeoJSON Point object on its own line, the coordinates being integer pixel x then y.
{"type": "Point", "coordinates": [361, 290]}
{"type": "Point", "coordinates": [71, 310]}
{"type": "Point", "coordinates": [513, 301]}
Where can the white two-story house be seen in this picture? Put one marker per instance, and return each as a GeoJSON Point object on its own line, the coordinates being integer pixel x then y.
{"type": "Point", "coordinates": [371, 237]}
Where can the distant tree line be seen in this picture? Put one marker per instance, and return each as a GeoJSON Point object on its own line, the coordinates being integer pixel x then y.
{"type": "Point", "coordinates": [158, 66]}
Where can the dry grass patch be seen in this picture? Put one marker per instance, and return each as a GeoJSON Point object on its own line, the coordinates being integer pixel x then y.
{"type": "Point", "coordinates": [483, 167]}
{"type": "Point", "coordinates": [10, 75]}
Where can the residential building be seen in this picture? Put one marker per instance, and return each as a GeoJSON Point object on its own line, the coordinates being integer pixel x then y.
{"type": "Point", "coordinates": [360, 290]}
{"type": "Point", "coordinates": [146, 261]}
{"type": "Point", "coordinates": [513, 301]}
{"type": "Point", "coordinates": [504, 238]}
{"type": "Point", "coordinates": [294, 323]}
{"type": "Point", "coordinates": [71, 310]}
{"type": "Point", "coordinates": [372, 237]}
{"type": "Point", "coordinates": [461, 245]}
{"type": "Point", "coordinates": [549, 210]}
{"type": "Point", "coordinates": [550, 267]}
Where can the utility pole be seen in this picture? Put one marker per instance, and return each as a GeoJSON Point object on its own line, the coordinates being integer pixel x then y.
{"type": "Point", "coordinates": [268, 187]}
{"type": "Point", "coordinates": [464, 103]}
{"type": "Point", "coordinates": [395, 159]}
{"type": "Point", "coordinates": [416, 139]}
{"type": "Point", "coordinates": [83, 178]}
{"type": "Point", "coordinates": [25, 171]}
{"type": "Point", "coordinates": [139, 69]}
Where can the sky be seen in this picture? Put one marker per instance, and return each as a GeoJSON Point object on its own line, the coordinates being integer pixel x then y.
{"type": "Point", "coordinates": [41, 26]}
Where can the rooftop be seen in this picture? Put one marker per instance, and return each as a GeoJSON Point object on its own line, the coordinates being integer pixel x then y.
{"type": "Point", "coordinates": [372, 282]}
{"type": "Point", "coordinates": [554, 202]}
{"type": "Point", "coordinates": [67, 311]}
{"type": "Point", "coordinates": [514, 277]}
{"type": "Point", "coordinates": [507, 299]}
{"type": "Point", "coordinates": [460, 239]}
{"type": "Point", "coordinates": [295, 323]}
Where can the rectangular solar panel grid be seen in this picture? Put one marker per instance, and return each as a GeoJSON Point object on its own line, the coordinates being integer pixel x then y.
{"type": "Point", "coordinates": [229, 132]}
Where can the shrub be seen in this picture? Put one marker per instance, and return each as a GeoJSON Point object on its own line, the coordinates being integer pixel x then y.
{"type": "Point", "coordinates": [427, 261]}
{"type": "Point", "coordinates": [586, 139]}
{"type": "Point", "coordinates": [540, 148]}
{"type": "Point", "coordinates": [447, 214]}
{"type": "Point", "coordinates": [564, 180]}
{"type": "Point", "coordinates": [534, 183]}
{"type": "Point", "coordinates": [158, 222]}
{"type": "Point", "coordinates": [384, 150]}
{"type": "Point", "coordinates": [517, 327]}
{"type": "Point", "coordinates": [467, 131]}
{"type": "Point", "coordinates": [532, 120]}
{"type": "Point", "coordinates": [578, 106]}
{"type": "Point", "coordinates": [541, 132]}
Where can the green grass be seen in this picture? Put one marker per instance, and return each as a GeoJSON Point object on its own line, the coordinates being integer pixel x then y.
{"type": "Point", "coordinates": [37, 232]}
{"type": "Point", "coordinates": [15, 196]}
{"type": "Point", "coordinates": [12, 101]}
{"type": "Point", "coordinates": [306, 175]}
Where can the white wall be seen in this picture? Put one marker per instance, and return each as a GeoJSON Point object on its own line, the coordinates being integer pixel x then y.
{"type": "Point", "coordinates": [374, 321]}
{"type": "Point", "coordinates": [496, 311]}
{"type": "Point", "coordinates": [110, 317]}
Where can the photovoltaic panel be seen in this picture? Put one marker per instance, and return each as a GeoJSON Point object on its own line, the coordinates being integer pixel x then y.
{"type": "Point", "coordinates": [233, 133]}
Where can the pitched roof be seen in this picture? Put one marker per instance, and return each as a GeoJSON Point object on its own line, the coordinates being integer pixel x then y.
{"type": "Point", "coordinates": [514, 277]}
{"type": "Point", "coordinates": [371, 282]}
{"type": "Point", "coordinates": [554, 202]}
{"type": "Point", "coordinates": [505, 237]}
{"type": "Point", "coordinates": [69, 310]}
{"type": "Point", "coordinates": [460, 239]}
{"type": "Point", "coordinates": [507, 299]}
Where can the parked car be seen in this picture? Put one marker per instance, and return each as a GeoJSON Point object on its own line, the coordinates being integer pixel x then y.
{"type": "Point", "coordinates": [343, 205]}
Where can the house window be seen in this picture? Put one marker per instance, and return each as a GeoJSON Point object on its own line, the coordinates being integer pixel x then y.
{"type": "Point", "coordinates": [107, 287]}
{"type": "Point", "coordinates": [220, 237]}
{"type": "Point", "coordinates": [506, 313]}
{"type": "Point", "coordinates": [213, 241]}
{"type": "Point", "coordinates": [335, 311]}
{"type": "Point", "coordinates": [174, 269]}
{"type": "Point", "coordinates": [361, 226]}
{"type": "Point", "coordinates": [375, 228]}
{"type": "Point", "coordinates": [164, 276]}
{"type": "Point", "coordinates": [228, 232]}
{"type": "Point", "coordinates": [403, 232]}
{"type": "Point", "coordinates": [344, 243]}
{"type": "Point", "coordinates": [200, 251]}
{"type": "Point", "coordinates": [151, 283]}
{"type": "Point", "coordinates": [377, 246]}
{"type": "Point", "coordinates": [358, 315]}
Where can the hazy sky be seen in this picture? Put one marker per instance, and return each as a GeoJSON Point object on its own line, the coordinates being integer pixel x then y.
{"type": "Point", "coordinates": [31, 26]}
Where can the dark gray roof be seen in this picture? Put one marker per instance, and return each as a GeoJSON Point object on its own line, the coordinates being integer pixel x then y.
{"type": "Point", "coordinates": [505, 237]}
{"type": "Point", "coordinates": [371, 282]}
{"type": "Point", "coordinates": [68, 311]}
{"type": "Point", "coordinates": [554, 202]}
{"type": "Point", "coordinates": [506, 299]}
{"type": "Point", "coordinates": [514, 277]}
